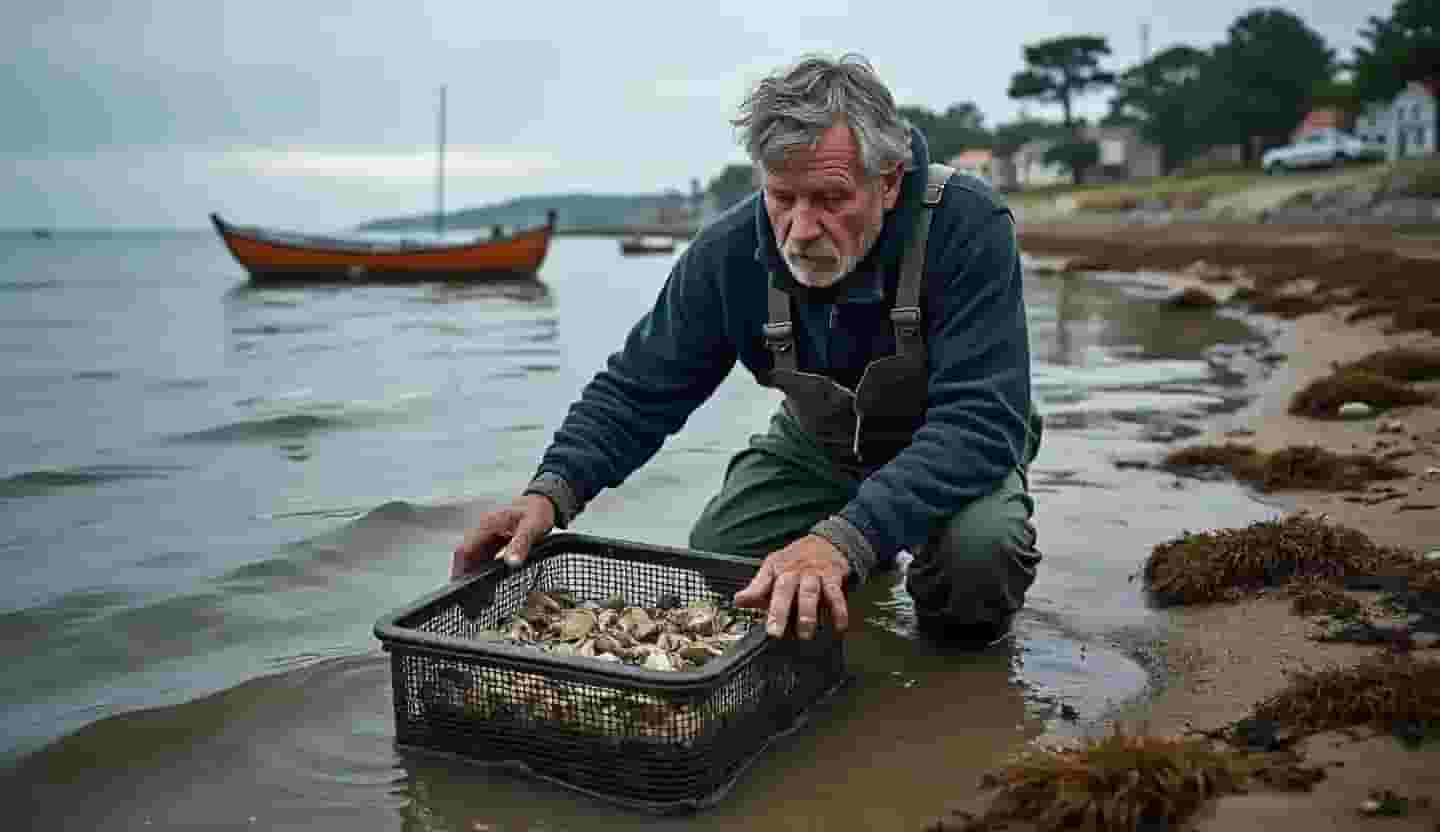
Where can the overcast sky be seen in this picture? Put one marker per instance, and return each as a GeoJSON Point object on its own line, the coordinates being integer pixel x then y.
{"type": "Point", "coordinates": [316, 114]}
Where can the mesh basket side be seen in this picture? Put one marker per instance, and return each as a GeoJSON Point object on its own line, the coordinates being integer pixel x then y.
{"type": "Point", "coordinates": [648, 746]}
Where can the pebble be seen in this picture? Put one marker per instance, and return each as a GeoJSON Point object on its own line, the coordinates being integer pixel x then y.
{"type": "Point", "coordinates": [1356, 410]}
{"type": "Point", "coordinates": [1370, 806]}
{"type": "Point", "coordinates": [1389, 426]}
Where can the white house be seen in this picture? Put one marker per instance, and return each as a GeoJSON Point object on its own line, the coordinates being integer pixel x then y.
{"type": "Point", "coordinates": [1031, 169]}
{"type": "Point", "coordinates": [1406, 126]}
{"type": "Point", "coordinates": [1123, 155]}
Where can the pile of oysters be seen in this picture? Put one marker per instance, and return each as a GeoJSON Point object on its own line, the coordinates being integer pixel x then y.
{"type": "Point", "coordinates": [667, 636]}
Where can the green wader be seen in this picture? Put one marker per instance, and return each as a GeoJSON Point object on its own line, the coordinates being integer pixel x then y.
{"type": "Point", "coordinates": [970, 577]}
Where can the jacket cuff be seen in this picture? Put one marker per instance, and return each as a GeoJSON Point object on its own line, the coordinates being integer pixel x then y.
{"type": "Point", "coordinates": [851, 542]}
{"type": "Point", "coordinates": [558, 491]}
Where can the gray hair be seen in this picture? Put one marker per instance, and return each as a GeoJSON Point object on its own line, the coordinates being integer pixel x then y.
{"type": "Point", "coordinates": [792, 108]}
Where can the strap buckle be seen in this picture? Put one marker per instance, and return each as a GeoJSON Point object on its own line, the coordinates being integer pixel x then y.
{"type": "Point", "coordinates": [906, 319]}
{"type": "Point", "coordinates": [779, 336]}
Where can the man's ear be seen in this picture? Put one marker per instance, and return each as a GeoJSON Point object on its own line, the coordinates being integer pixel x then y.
{"type": "Point", "coordinates": [890, 185]}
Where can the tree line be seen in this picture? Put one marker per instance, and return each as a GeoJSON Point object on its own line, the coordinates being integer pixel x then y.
{"type": "Point", "coordinates": [1252, 89]}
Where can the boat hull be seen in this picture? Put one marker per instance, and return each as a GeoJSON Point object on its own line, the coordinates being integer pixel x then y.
{"type": "Point", "coordinates": [269, 259]}
{"type": "Point", "coordinates": [633, 247]}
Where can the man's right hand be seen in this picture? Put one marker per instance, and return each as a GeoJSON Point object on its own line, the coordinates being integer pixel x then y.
{"type": "Point", "coordinates": [508, 533]}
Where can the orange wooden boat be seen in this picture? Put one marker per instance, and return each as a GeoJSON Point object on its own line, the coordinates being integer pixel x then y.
{"type": "Point", "coordinates": [272, 255]}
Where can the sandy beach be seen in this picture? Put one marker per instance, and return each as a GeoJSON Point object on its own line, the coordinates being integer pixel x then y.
{"type": "Point", "coordinates": [1223, 659]}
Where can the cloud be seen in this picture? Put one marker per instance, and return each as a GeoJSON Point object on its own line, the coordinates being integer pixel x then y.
{"type": "Point", "coordinates": [398, 166]}
{"type": "Point", "coordinates": [150, 112]}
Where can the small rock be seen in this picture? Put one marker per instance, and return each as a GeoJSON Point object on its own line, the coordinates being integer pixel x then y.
{"type": "Point", "coordinates": [1370, 806]}
{"type": "Point", "coordinates": [1432, 555]}
{"type": "Point", "coordinates": [1356, 410]}
{"type": "Point", "coordinates": [1194, 298]}
{"type": "Point", "coordinates": [1389, 426]}
{"type": "Point", "coordinates": [1263, 734]}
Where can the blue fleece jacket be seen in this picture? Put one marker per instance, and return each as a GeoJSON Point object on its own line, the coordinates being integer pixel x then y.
{"type": "Point", "coordinates": [710, 313]}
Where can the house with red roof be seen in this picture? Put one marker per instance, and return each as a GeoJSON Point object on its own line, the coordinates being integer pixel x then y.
{"type": "Point", "coordinates": [1319, 119]}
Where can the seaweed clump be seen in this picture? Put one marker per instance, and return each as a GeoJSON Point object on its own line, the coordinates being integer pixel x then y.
{"type": "Point", "coordinates": [1118, 782]}
{"type": "Point", "coordinates": [1405, 316]}
{"type": "Point", "coordinates": [1292, 467]}
{"type": "Point", "coordinates": [1321, 398]}
{"type": "Point", "coordinates": [1227, 564]}
{"type": "Point", "coordinates": [1397, 694]}
{"type": "Point", "coordinates": [1287, 306]}
{"type": "Point", "coordinates": [1317, 596]}
{"type": "Point", "coordinates": [1401, 364]}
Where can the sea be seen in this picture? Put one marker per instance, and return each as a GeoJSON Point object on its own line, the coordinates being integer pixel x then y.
{"type": "Point", "coordinates": [211, 490]}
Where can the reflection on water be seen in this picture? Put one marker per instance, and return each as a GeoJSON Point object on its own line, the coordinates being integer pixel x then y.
{"type": "Point", "coordinates": [212, 489]}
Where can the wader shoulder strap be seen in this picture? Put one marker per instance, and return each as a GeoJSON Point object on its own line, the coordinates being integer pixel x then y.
{"type": "Point", "coordinates": [909, 331]}
{"type": "Point", "coordinates": [779, 331]}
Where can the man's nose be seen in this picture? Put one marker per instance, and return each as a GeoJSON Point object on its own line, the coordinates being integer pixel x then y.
{"type": "Point", "coordinates": [803, 224]}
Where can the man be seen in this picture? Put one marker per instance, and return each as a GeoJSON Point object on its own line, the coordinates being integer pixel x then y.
{"type": "Point", "coordinates": [884, 299]}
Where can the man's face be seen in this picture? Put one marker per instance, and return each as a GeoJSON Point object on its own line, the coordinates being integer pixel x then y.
{"type": "Point", "coordinates": [826, 213]}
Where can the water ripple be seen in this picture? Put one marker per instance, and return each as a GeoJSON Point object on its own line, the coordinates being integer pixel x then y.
{"type": "Point", "coordinates": [46, 481]}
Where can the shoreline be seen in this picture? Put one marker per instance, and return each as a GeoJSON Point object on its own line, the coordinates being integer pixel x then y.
{"type": "Point", "coordinates": [1216, 662]}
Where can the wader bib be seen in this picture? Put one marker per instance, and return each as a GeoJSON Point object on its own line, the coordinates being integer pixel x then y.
{"type": "Point", "coordinates": [870, 424]}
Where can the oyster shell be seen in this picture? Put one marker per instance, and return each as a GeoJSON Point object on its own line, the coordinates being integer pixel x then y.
{"type": "Point", "coordinates": [576, 624]}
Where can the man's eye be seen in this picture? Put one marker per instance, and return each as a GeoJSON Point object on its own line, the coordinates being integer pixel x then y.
{"type": "Point", "coordinates": [782, 199]}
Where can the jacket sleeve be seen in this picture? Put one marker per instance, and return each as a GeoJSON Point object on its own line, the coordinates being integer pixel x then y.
{"type": "Point", "coordinates": [670, 363]}
{"type": "Point", "coordinates": [976, 425]}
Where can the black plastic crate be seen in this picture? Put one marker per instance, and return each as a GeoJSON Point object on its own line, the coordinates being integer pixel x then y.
{"type": "Point", "coordinates": [664, 741]}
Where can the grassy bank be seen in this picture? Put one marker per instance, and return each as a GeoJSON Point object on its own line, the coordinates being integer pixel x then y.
{"type": "Point", "coordinates": [1236, 194]}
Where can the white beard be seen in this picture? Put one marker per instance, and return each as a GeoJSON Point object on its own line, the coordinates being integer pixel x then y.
{"type": "Point", "coordinates": [820, 279]}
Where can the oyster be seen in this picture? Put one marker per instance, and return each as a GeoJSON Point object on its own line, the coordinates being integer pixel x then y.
{"type": "Point", "coordinates": [576, 624]}
{"type": "Point", "coordinates": [668, 636]}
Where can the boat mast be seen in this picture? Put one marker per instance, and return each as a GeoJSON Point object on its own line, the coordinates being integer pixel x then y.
{"type": "Point", "coordinates": [440, 172]}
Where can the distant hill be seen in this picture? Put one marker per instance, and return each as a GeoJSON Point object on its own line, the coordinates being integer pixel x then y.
{"type": "Point", "coordinates": [572, 211]}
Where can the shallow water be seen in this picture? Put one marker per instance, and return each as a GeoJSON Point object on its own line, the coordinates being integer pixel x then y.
{"type": "Point", "coordinates": [210, 491]}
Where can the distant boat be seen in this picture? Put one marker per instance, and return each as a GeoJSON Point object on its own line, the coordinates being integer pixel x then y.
{"type": "Point", "coordinates": [641, 244]}
{"type": "Point", "coordinates": [270, 254]}
{"type": "Point", "coordinates": [274, 255]}
{"type": "Point", "coordinates": [42, 233]}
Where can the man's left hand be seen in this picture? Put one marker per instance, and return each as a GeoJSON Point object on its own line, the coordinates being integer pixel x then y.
{"type": "Point", "coordinates": [805, 571]}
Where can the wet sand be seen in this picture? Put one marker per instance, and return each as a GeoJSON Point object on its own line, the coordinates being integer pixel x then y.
{"type": "Point", "coordinates": [1223, 659]}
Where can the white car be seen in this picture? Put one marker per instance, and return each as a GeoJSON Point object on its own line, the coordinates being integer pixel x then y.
{"type": "Point", "coordinates": [1321, 148]}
